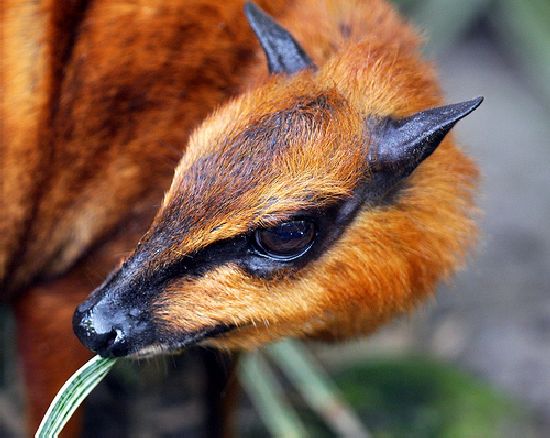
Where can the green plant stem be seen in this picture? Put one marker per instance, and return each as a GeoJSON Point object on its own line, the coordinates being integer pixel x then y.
{"type": "Point", "coordinates": [71, 395]}
{"type": "Point", "coordinates": [267, 396]}
{"type": "Point", "coordinates": [316, 388]}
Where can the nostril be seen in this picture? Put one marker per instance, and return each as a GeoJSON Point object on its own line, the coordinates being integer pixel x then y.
{"type": "Point", "coordinates": [101, 330]}
{"type": "Point", "coordinates": [111, 343]}
{"type": "Point", "coordinates": [97, 335]}
{"type": "Point", "coordinates": [109, 339]}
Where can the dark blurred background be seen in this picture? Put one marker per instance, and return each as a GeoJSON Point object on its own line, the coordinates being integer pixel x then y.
{"type": "Point", "coordinates": [475, 361]}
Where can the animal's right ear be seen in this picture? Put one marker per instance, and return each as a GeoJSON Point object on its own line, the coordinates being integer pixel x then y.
{"type": "Point", "coordinates": [284, 54]}
{"type": "Point", "coordinates": [398, 146]}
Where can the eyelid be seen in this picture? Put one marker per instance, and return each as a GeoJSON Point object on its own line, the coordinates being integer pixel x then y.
{"type": "Point", "coordinates": [264, 252]}
{"type": "Point", "coordinates": [308, 210]}
{"type": "Point", "coordinates": [275, 221]}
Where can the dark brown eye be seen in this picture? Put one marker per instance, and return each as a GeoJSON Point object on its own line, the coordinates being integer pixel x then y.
{"type": "Point", "coordinates": [286, 241]}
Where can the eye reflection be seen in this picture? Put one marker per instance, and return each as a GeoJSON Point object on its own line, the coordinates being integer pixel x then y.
{"type": "Point", "coordinates": [286, 241]}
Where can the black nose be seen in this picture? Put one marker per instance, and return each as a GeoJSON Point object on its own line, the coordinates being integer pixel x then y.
{"type": "Point", "coordinates": [95, 329]}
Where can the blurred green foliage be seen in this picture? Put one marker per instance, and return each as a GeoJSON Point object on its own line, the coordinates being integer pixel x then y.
{"type": "Point", "coordinates": [521, 29]}
{"type": "Point", "coordinates": [443, 21]}
{"type": "Point", "coordinates": [416, 397]}
{"type": "Point", "coordinates": [419, 397]}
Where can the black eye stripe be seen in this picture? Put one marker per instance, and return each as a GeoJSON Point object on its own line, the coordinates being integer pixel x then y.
{"type": "Point", "coordinates": [243, 250]}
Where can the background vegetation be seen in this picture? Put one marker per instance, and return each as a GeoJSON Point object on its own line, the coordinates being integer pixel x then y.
{"type": "Point", "coordinates": [477, 362]}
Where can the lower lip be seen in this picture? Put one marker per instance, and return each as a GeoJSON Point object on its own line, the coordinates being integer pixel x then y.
{"type": "Point", "coordinates": [192, 339]}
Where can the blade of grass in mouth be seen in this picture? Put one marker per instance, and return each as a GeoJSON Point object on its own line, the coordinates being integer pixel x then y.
{"type": "Point", "coordinates": [72, 394]}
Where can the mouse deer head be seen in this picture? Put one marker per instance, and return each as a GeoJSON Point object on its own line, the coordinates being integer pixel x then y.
{"type": "Point", "coordinates": [298, 209]}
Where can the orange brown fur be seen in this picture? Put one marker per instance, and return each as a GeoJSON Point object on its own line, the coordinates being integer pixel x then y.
{"type": "Point", "coordinates": [98, 102]}
{"type": "Point", "coordinates": [390, 257]}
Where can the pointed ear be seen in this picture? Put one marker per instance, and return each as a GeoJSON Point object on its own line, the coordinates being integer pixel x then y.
{"type": "Point", "coordinates": [284, 54]}
{"type": "Point", "coordinates": [398, 146]}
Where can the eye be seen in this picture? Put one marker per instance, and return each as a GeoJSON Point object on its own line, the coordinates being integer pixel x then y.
{"type": "Point", "coordinates": [286, 241]}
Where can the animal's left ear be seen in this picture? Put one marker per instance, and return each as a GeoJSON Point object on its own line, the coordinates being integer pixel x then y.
{"type": "Point", "coordinates": [398, 146]}
{"type": "Point", "coordinates": [284, 54]}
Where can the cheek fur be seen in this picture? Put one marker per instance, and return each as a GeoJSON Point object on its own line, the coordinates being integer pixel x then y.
{"type": "Point", "coordinates": [388, 259]}
{"type": "Point", "coordinates": [227, 295]}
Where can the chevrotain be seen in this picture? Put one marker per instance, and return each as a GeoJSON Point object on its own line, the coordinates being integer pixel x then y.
{"type": "Point", "coordinates": [321, 197]}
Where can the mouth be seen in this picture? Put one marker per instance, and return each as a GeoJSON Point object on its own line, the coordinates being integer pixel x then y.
{"type": "Point", "coordinates": [176, 346]}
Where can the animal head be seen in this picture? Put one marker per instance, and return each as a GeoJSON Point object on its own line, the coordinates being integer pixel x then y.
{"type": "Point", "coordinates": [300, 208]}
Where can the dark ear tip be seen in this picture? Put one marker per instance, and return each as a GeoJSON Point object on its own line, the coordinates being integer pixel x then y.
{"type": "Point", "coordinates": [472, 105]}
{"type": "Point", "coordinates": [251, 10]}
{"type": "Point", "coordinates": [462, 109]}
{"type": "Point", "coordinates": [284, 54]}
{"type": "Point", "coordinates": [476, 101]}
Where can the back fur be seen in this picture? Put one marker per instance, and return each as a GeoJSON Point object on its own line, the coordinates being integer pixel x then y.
{"type": "Point", "coordinates": [98, 100]}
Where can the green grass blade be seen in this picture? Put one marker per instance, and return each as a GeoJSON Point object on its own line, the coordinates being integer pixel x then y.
{"type": "Point", "coordinates": [317, 388]}
{"type": "Point", "coordinates": [71, 395]}
{"type": "Point", "coordinates": [267, 395]}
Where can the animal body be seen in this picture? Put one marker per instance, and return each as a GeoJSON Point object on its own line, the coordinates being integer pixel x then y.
{"type": "Point", "coordinates": [322, 198]}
